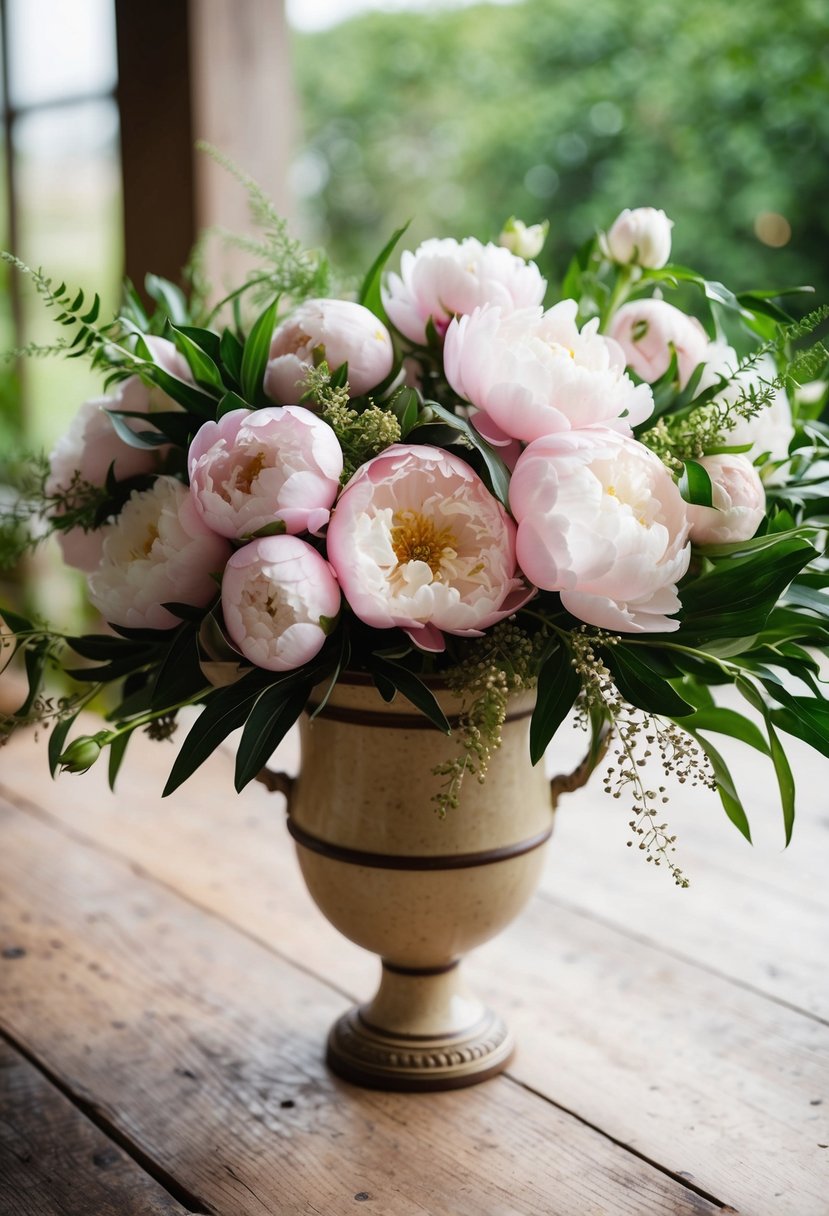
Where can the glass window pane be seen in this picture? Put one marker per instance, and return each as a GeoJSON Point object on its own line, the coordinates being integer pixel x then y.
{"type": "Point", "coordinates": [60, 48]}
{"type": "Point", "coordinates": [69, 200]}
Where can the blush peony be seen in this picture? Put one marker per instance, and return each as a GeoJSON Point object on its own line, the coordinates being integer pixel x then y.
{"type": "Point", "coordinates": [447, 278]}
{"type": "Point", "coordinates": [646, 330]}
{"type": "Point", "coordinates": [601, 521]}
{"type": "Point", "coordinates": [418, 542]}
{"type": "Point", "coordinates": [278, 595]}
{"type": "Point", "coordinates": [342, 332]}
{"type": "Point", "coordinates": [739, 501]}
{"type": "Point", "coordinates": [534, 373]}
{"type": "Point", "coordinates": [256, 468]}
{"type": "Point", "coordinates": [157, 551]}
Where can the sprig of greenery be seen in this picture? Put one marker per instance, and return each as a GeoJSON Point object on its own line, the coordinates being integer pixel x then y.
{"type": "Point", "coordinates": [362, 433]}
{"type": "Point", "coordinates": [632, 728]}
{"type": "Point", "coordinates": [489, 671]}
{"type": "Point", "coordinates": [286, 268]}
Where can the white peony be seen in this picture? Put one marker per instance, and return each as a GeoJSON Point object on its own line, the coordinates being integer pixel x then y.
{"type": "Point", "coordinates": [157, 551]}
{"type": "Point", "coordinates": [534, 373]}
{"type": "Point", "coordinates": [447, 278]}
{"type": "Point", "coordinates": [601, 521]}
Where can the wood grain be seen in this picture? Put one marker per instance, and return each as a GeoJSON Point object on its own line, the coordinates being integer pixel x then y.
{"type": "Point", "coordinates": [205, 1050]}
{"type": "Point", "coordinates": [54, 1162]}
{"type": "Point", "coordinates": [685, 1066]}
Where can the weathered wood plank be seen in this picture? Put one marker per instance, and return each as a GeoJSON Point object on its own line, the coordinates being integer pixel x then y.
{"type": "Point", "coordinates": [660, 1054]}
{"type": "Point", "coordinates": [775, 903]}
{"type": "Point", "coordinates": [205, 1050]}
{"type": "Point", "coordinates": [54, 1162]}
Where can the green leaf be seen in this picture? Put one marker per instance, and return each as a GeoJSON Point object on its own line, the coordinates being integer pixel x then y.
{"type": "Point", "coordinates": [231, 351]}
{"type": "Point", "coordinates": [179, 675]}
{"type": "Point", "coordinates": [805, 717]}
{"type": "Point", "coordinates": [57, 739]}
{"type": "Point", "coordinates": [205, 339]}
{"type": "Point", "coordinates": [193, 399]}
{"type": "Point", "coordinates": [205, 371]}
{"type": "Point", "coordinates": [255, 354]}
{"type": "Point", "coordinates": [782, 768]}
{"type": "Point", "coordinates": [169, 297]}
{"type": "Point", "coordinates": [643, 683]}
{"type": "Point", "coordinates": [726, 722]}
{"type": "Point", "coordinates": [726, 789]}
{"type": "Point", "coordinates": [495, 467]}
{"type": "Point", "coordinates": [117, 751]}
{"type": "Point", "coordinates": [370, 296]}
{"type": "Point", "coordinates": [406, 406]}
{"type": "Point", "coordinates": [136, 439]}
{"type": "Point", "coordinates": [558, 687]}
{"type": "Point", "coordinates": [274, 713]}
{"type": "Point", "coordinates": [412, 688]}
{"type": "Point", "coordinates": [734, 598]}
{"type": "Point", "coordinates": [177, 425]}
{"type": "Point", "coordinates": [34, 659]}
{"type": "Point", "coordinates": [101, 646]}
{"type": "Point", "coordinates": [695, 484]}
{"type": "Point", "coordinates": [224, 711]}
{"type": "Point", "coordinates": [230, 402]}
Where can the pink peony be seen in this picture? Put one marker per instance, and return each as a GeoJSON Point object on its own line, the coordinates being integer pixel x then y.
{"type": "Point", "coordinates": [255, 468]}
{"type": "Point", "coordinates": [534, 373]}
{"type": "Point", "coordinates": [739, 501]}
{"type": "Point", "coordinates": [342, 332]}
{"type": "Point", "coordinates": [601, 521]}
{"type": "Point", "coordinates": [91, 446]}
{"type": "Point", "coordinates": [418, 542]}
{"type": "Point", "coordinates": [647, 329]}
{"type": "Point", "coordinates": [641, 237]}
{"type": "Point", "coordinates": [276, 595]}
{"type": "Point", "coordinates": [157, 551]}
{"type": "Point", "coordinates": [447, 278]}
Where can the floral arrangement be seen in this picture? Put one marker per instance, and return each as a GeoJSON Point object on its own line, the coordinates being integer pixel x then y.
{"type": "Point", "coordinates": [618, 498]}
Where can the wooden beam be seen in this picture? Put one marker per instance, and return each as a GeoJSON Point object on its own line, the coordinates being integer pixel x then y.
{"type": "Point", "coordinates": [244, 105]}
{"type": "Point", "coordinates": [154, 99]}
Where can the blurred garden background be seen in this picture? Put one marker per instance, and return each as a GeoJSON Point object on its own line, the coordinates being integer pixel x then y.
{"type": "Point", "coordinates": [453, 116]}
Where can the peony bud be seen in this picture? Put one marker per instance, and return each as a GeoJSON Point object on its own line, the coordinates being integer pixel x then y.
{"type": "Point", "coordinates": [279, 598]}
{"type": "Point", "coordinates": [341, 332]}
{"type": "Point", "coordinates": [641, 237]}
{"type": "Point", "coordinates": [649, 331]}
{"type": "Point", "coordinates": [738, 497]}
{"type": "Point", "coordinates": [82, 753]}
{"type": "Point", "coordinates": [525, 242]}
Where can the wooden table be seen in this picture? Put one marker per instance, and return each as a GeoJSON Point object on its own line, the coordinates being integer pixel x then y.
{"type": "Point", "coordinates": [166, 986]}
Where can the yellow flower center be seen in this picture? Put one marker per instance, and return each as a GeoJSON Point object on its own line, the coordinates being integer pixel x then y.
{"type": "Point", "coordinates": [149, 541]}
{"type": "Point", "coordinates": [249, 471]}
{"type": "Point", "coordinates": [415, 538]}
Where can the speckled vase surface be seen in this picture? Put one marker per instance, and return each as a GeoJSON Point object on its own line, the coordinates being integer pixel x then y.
{"type": "Point", "coordinates": [416, 889]}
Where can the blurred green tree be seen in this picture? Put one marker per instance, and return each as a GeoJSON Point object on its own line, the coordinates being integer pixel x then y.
{"type": "Point", "coordinates": [572, 111]}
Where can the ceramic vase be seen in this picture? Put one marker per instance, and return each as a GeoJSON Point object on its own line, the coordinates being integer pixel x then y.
{"type": "Point", "coordinates": [415, 888]}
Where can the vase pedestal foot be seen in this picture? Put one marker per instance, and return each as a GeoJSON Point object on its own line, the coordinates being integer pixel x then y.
{"type": "Point", "coordinates": [421, 1032]}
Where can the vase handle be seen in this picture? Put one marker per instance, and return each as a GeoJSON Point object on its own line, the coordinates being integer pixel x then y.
{"type": "Point", "coordinates": [277, 783]}
{"type": "Point", "coordinates": [565, 783]}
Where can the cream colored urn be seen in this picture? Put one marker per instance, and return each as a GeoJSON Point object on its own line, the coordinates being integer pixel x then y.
{"type": "Point", "coordinates": [416, 889]}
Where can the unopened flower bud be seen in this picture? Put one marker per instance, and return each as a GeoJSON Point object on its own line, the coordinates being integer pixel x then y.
{"type": "Point", "coordinates": [641, 237]}
{"type": "Point", "coordinates": [525, 242]}
{"type": "Point", "coordinates": [82, 753]}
